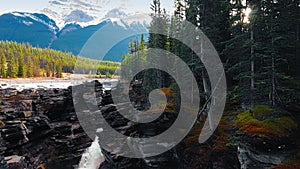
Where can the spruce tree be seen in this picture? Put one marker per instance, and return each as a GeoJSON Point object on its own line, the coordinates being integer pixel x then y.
{"type": "Point", "coordinates": [3, 64]}
{"type": "Point", "coordinates": [155, 78]}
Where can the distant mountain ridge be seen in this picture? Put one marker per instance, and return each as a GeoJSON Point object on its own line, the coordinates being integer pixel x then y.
{"type": "Point", "coordinates": [40, 30]}
{"type": "Point", "coordinates": [37, 29]}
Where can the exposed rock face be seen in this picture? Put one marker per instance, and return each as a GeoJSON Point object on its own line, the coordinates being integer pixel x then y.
{"type": "Point", "coordinates": [128, 128]}
{"type": "Point", "coordinates": [256, 153]}
{"type": "Point", "coordinates": [250, 159]}
{"type": "Point", "coordinates": [41, 127]}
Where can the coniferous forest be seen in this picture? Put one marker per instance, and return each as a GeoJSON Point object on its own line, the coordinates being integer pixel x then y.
{"type": "Point", "coordinates": [259, 51]}
{"type": "Point", "coordinates": [258, 44]}
{"type": "Point", "coordinates": [23, 60]}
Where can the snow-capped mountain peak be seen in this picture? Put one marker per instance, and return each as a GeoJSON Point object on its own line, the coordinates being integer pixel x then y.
{"type": "Point", "coordinates": [90, 12]}
{"type": "Point", "coordinates": [82, 12]}
{"type": "Point", "coordinates": [116, 13]}
{"type": "Point", "coordinates": [43, 19]}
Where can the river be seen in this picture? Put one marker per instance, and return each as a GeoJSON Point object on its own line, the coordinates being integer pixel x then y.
{"type": "Point", "coordinates": [48, 83]}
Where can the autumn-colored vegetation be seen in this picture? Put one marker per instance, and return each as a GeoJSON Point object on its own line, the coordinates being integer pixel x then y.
{"type": "Point", "coordinates": [261, 123]}
{"type": "Point", "coordinates": [171, 96]}
{"type": "Point", "coordinates": [218, 148]}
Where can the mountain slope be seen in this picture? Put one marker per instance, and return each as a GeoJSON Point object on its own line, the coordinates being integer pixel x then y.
{"type": "Point", "coordinates": [104, 32]}
{"type": "Point", "coordinates": [41, 31]}
{"type": "Point", "coordinates": [36, 29]}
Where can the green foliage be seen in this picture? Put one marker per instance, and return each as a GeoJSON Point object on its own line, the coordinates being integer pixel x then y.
{"type": "Point", "coordinates": [261, 111]}
{"type": "Point", "coordinates": [271, 127]}
{"type": "Point", "coordinates": [108, 67]}
{"type": "Point", "coordinates": [3, 65]}
{"type": "Point", "coordinates": [259, 53]}
{"type": "Point", "coordinates": [272, 49]}
{"type": "Point", "coordinates": [135, 60]}
{"type": "Point", "coordinates": [23, 60]}
{"type": "Point", "coordinates": [12, 68]}
{"type": "Point", "coordinates": [108, 75]}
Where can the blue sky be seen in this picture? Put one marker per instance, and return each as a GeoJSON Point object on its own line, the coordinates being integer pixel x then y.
{"type": "Point", "coordinates": [36, 5]}
{"type": "Point", "coordinates": [21, 5]}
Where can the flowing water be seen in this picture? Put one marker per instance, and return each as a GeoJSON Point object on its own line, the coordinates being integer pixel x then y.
{"type": "Point", "coordinates": [48, 84]}
{"type": "Point", "coordinates": [92, 158]}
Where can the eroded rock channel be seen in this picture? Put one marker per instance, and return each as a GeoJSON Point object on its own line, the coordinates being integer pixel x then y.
{"type": "Point", "coordinates": [40, 130]}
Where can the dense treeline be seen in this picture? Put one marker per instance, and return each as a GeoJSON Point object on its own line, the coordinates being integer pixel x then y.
{"type": "Point", "coordinates": [23, 60]}
{"type": "Point", "coordinates": [260, 52]}
{"type": "Point", "coordinates": [135, 59]}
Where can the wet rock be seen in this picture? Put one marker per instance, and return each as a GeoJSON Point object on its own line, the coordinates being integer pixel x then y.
{"type": "Point", "coordinates": [41, 125]}
{"type": "Point", "coordinates": [250, 159]}
{"type": "Point", "coordinates": [16, 162]}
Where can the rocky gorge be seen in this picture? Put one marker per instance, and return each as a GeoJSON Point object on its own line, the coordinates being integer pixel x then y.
{"type": "Point", "coordinates": [40, 130]}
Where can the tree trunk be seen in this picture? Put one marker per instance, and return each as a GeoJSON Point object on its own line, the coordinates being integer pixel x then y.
{"type": "Point", "coordinates": [273, 81]}
{"type": "Point", "coordinates": [252, 68]}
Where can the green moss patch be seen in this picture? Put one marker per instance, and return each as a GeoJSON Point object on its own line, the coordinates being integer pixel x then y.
{"type": "Point", "coordinates": [269, 127]}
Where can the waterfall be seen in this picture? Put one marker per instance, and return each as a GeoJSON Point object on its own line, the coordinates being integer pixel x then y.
{"type": "Point", "coordinates": [92, 157]}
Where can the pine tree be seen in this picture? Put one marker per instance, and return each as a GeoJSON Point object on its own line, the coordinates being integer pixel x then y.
{"type": "Point", "coordinates": [48, 69]}
{"type": "Point", "coordinates": [12, 70]}
{"type": "Point", "coordinates": [2, 65]}
{"type": "Point", "coordinates": [30, 68]}
{"type": "Point", "coordinates": [22, 67]}
{"type": "Point", "coordinates": [154, 78]}
{"type": "Point", "coordinates": [142, 43]}
{"type": "Point", "coordinates": [59, 69]}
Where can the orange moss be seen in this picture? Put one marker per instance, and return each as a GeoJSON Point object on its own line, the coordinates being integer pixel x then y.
{"type": "Point", "coordinates": [269, 128]}
{"type": "Point", "coordinates": [167, 91]}
{"type": "Point", "coordinates": [193, 136]}
{"type": "Point", "coordinates": [222, 137]}
{"type": "Point", "coordinates": [171, 95]}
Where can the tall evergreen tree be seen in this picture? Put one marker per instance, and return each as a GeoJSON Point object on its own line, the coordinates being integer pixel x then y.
{"type": "Point", "coordinates": [155, 78]}
{"type": "Point", "coordinates": [22, 67]}
{"type": "Point", "coordinates": [3, 64]}
{"type": "Point", "coordinates": [12, 70]}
